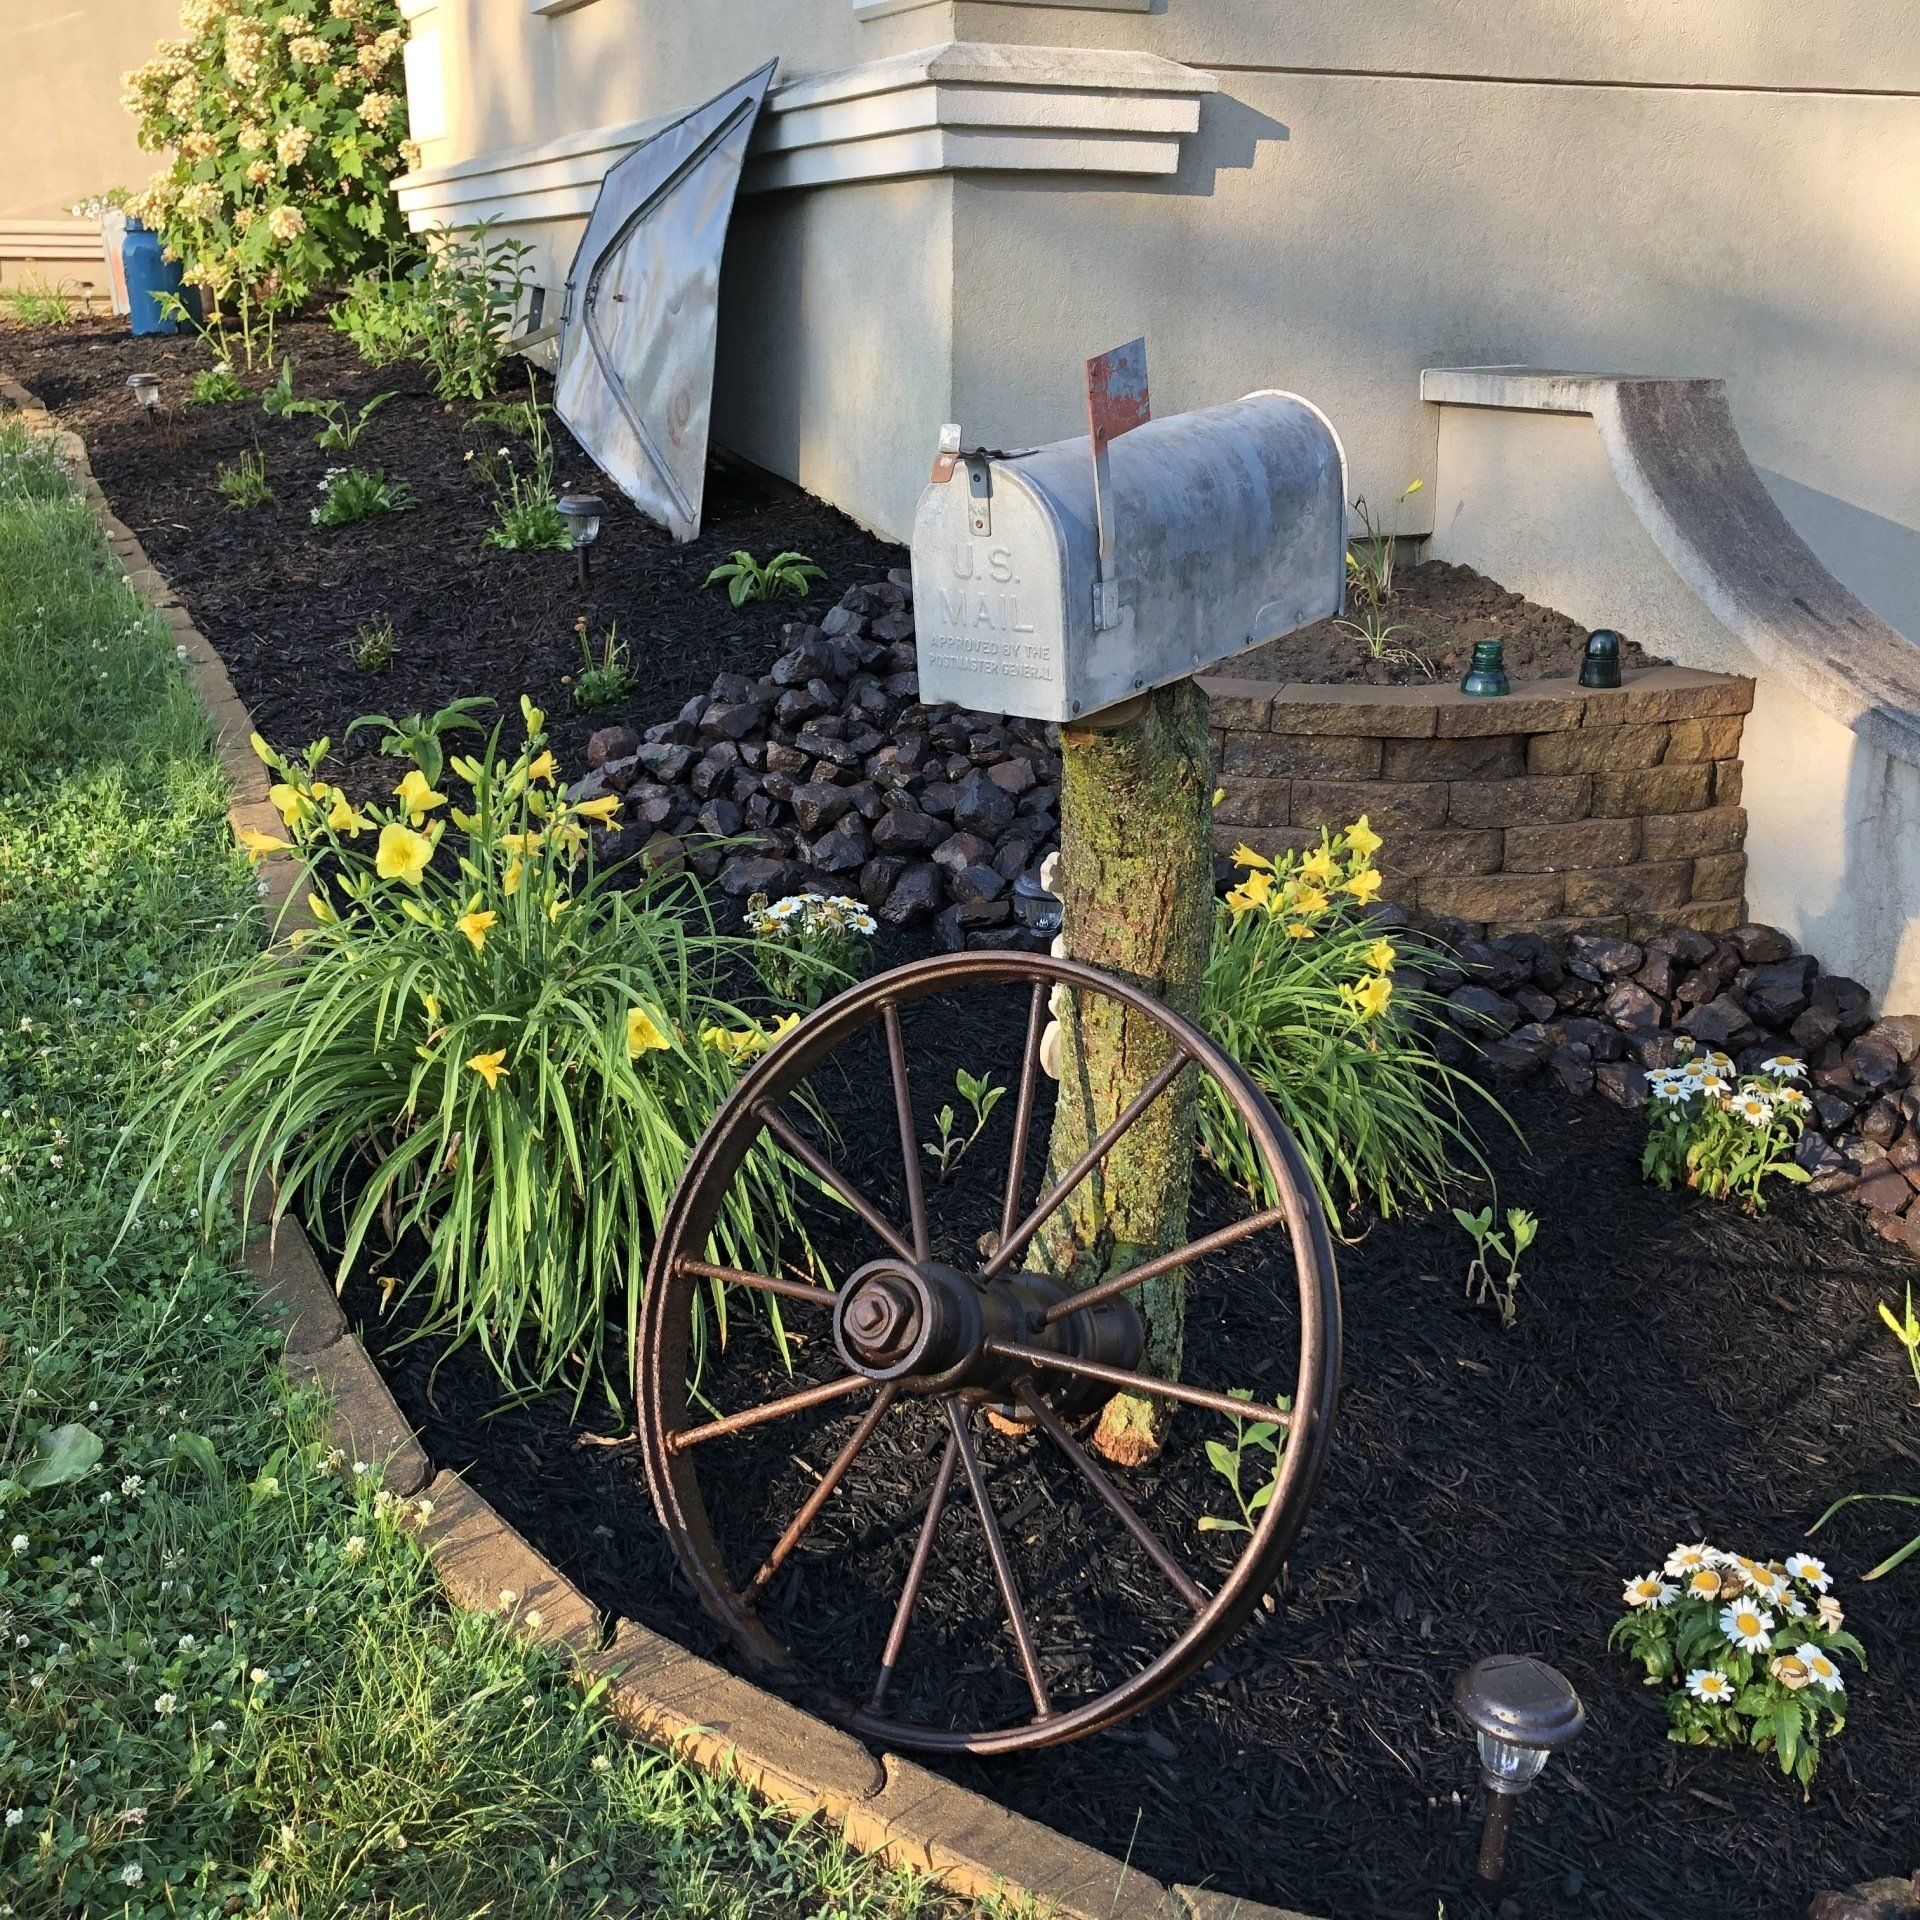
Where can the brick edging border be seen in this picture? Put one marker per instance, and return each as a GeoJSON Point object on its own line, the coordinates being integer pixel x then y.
{"type": "Point", "coordinates": [887, 1806]}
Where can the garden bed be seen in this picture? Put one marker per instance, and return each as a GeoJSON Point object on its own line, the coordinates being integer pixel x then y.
{"type": "Point", "coordinates": [1677, 1372]}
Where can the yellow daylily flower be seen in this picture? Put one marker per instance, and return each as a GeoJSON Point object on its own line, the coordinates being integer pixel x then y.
{"type": "Point", "coordinates": [1309, 900]}
{"type": "Point", "coordinates": [262, 752]}
{"type": "Point", "coordinates": [475, 925]}
{"type": "Point", "coordinates": [781, 1028]}
{"type": "Point", "coordinates": [432, 1004]}
{"type": "Point", "coordinates": [560, 905]}
{"type": "Point", "coordinates": [1363, 840]}
{"type": "Point", "coordinates": [259, 845]}
{"type": "Point", "coordinates": [1363, 885]}
{"type": "Point", "coordinates": [417, 795]}
{"type": "Point", "coordinates": [1299, 930]}
{"type": "Point", "coordinates": [510, 880]}
{"type": "Point", "coordinates": [322, 908]}
{"type": "Point", "coordinates": [522, 842]}
{"type": "Point", "coordinates": [644, 1034]}
{"type": "Point", "coordinates": [403, 854]}
{"type": "Point", "coordinates": [1319, 868]}
{"type": "Point", "coordinates": [1250, 893]}
{"type": "Point", "coordinates": [1381, 956]}
{"type": "Point", "coordinates": [543, 768]}
{"type": "Point", "coordinates": [604, 811]}
{"type": "Point", "coordinates": [293, 806]}
{"type": "Point", "coordinates": [1244, 856]}
{"type": "Point", "coordinates": [535, 719]}
{"type": "Point", "coordinates": [343, 816]}
{"type": "Point", "coordinates": [491, 1067]}
{"type": "Point", "coordinates": [1371, 997]}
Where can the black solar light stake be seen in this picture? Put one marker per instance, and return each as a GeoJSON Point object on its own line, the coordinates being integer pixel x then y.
{"type": "Point", "coordinates": [581, 512]}
{"type": "Point", "coordinates": [1520, 1710]}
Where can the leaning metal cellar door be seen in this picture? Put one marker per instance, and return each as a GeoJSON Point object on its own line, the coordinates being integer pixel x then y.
{"type": "Point", "coordinates": [637, 346]}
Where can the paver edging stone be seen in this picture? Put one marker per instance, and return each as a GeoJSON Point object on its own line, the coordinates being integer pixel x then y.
{"type": "Point", "coordinates": [886, 1806]}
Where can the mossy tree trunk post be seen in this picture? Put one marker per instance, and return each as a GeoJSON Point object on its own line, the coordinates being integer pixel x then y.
{"type": "Point", "coordinates": [1136, 878]}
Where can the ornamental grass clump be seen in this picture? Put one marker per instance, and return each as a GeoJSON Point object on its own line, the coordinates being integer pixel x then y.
{"type": "Point", "coordinates": [1723, 1133]}
{"type": "Point", "coordinates": [1745, 1650]}
{"type": "Point", "coordinates": [1301, 989]}
{"type": "Point", "coordinates": [480, 1042]}
{"type": "Point", "coordinates": [809, 944]}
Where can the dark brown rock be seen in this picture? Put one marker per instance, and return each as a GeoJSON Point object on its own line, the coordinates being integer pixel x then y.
{"type": "Point", "coordinates": [1757, 945]}
{"type": "Point", "coordinates": [1623, 1083]}
{"type": "Point", "coordinates": [917, 893]}
{"type": "Point", "coordinates": [960, 850]}
{"type": "Point", "coordinates": [1572, 1066]}
{"type": "Point", "coordinates": [1481, 1010]}
{"type": "Point", "coordinates": [1873, 1062]}
{"type": "Point", "coordinates": [1815, 1028]}
{"type": "Point", "coordinates": [611, 743]}
{"type": "Point", "coordinates": [1596, 957]}
{"type": "Point", "coordinates": [1847, 1000]}
{"type": "Point", "coordinates": [758, 873]}
{"type": "Point", "coordinates": [983, 807]}
{"type": "Point", "coordinates": [1632, 1008]}
{"type": "Point", "coordinates": [903, 828]}
{"type": "Point", "coordinates": [1881, 1123]}
{"type": "Point", "coordinates": [973, 884]}
{"type": "Point", "coordinates": [817, 805]}
{"type": "Point", "coordinates": [843, 848]}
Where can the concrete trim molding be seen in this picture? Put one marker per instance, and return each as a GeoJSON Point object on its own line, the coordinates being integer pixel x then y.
{"type": "Point", "coordinates": [880, 9]}
{"type": "Point", "coordinates": [962, 106]}
{"type": "Point", "coordinates": [1677, 455]}
{"type": "Point", "coordinates": [51, 240]}
{"type": "Point", "coordinates": [886, 1806]}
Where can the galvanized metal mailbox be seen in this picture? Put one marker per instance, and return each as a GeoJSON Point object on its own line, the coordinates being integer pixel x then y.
{"type": "Point", "coordinates": [1061, 581]}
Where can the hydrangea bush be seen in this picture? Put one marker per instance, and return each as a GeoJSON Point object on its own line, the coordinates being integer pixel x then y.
{"type": "Point", "coordinates": [1724, 1133]}
{"type": "Point", "coordinates": [1745, 1650]}
{"type": "Point", "coordinates": [285, 120]}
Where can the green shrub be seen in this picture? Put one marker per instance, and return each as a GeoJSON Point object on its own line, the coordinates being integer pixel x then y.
{"type": "Point", "coordinates": [348, 494]}
{"type": "Point", "coordinates": [747, 579]}
{"type": "Point", "coordinates": [216, 386]}
{"type": "Point", "coordinates": [483, 1041]}
{"type": "Point", "coordinates": [35, 304]}
{"type": "Point", "coordinates": [469, 291]}
{"type": "Point", "coordinates": [604, 678]}
{"type": "Point", "coordinates": [1300, 990]}
{"type": "Point", "coordinates": [383, 312]}
{"type": "Point", "coordinates": [285, 121]}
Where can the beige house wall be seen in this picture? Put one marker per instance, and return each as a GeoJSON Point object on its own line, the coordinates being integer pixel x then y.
{"type": "Point", "coordinates": [63, 135]}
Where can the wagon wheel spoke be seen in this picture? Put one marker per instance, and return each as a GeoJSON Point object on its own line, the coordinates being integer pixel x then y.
{"type": "Point", "coordinates": [1126, 1381]}
{"type": "Point", "coordinates": [823, 1492]}
{"type": "Point", "coordinates": [916, 1573]}
{"type": "Point", "coordinates": [685, 1437]}
{"type": "Point", "coordinates": [1023, 1109]}
{"type": "Point", "coordinates": [1002, 1566]}
{"type": "Point", "coordinates": [909, 1145]}
{"type": "Point", "coordinates": [763, 1282]}
{"type": "Point", "coordinates": [1011, 1248]}
{"type": "Point", "coordinates": [1168, 1262]}
{"type": "Point", "coordinates": [823, 1170]}
{"type": "Point", "coordinates": [1117, 1502]}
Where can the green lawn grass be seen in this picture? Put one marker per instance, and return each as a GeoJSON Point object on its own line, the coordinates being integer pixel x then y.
{"type": "Point", "coordinates": [227, 1683]}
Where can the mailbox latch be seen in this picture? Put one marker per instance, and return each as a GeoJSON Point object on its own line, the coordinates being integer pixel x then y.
{"type": "Point", "coordinates": [979, 495]}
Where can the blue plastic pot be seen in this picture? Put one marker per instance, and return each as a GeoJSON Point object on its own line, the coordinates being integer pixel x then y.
{"type": "Point", "coordinates": [148, 277]}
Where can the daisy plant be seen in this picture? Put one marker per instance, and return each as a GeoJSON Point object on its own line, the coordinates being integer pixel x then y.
{"type": "Point", "coordinates": [1745, 1651]}
{"type": "Point", "coordinates": [1303, 987]}
{"type": "Point", "coordinates": [809, 944]}
{"type": "Point", "coordinates": [1724, 1133]}
{"type": "Point", "coordinates": [481, 1059]}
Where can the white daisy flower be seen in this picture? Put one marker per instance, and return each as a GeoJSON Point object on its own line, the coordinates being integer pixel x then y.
{"type": "Point", "coordinates": [1709, 1685]}
{"type": "Point", "coordinates": [1674, 1092]}
{"type": "Point", "coordinates": [1713, 1083]}
{"type": "Point", "coordinates": [1649, 1591]}
{"type": "Point", "coordinates": [1684, 1559]}
{"type": "Point", "coordinates": [1796, 1607]}
{"type": "Point", "coordinates": [1751, 1108]}
{"type": "Point", "coordinates": [1704, 1584]}
{"type": "Point", "coordinates": [1831, 1614]}
{"type": "Point", "coordinates": [1747, 1625]}
{"type": "Point", "coordinates": [1803, 1566]}
{"type": "Point", "coordinates": [1820, 1668]}
{"type": "Point", "coordinates": [1791, 1098]}
{"type": "Point", "coordinates": [1791, 1671]}
{"type": "Point", "coordinates": [1783, 1066]}
{"type": "Point", "coordinates": [1715, 1058]}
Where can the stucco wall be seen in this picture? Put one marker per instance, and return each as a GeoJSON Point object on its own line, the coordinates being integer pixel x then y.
{"type": "Point", "coordinates": [63, 136]}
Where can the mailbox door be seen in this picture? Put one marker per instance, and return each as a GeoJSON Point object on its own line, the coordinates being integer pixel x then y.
{"type": "Point", "coordinates": [989, 596]}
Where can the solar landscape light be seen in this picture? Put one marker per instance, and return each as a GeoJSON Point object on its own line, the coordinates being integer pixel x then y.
{"type": "Point", "coordinates": [1601, 665]}
{"type": "Point", "coordinates": [1487, 676]}
{"type": "Point", "coordinates": [1521, 1710]}
{"type": "Point", "coordinates": [1036, 906]}
{"type": "Point", "coordinates": [145, 388]}
{"type": "Point", "coordinates": [582, 512]}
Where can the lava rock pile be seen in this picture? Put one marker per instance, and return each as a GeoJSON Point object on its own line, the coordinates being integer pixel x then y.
{"type": "Point", "coordinates": [829, 772]}
{"type": "Point", "coordinates": [1602, 1012]}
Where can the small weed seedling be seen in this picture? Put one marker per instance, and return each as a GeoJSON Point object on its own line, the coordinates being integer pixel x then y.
{"type": "Point", "coordinates": [374, 646]}
{"type": "Point", "coordinates": [1493, 1275]}
{"type": "Point", "coordinates": [748, 580]}
{"type": "Point", "coordinates": [341, 434]}
{"type": "Point", "coordinates": [601, 682]}
{"type": "Point", "coordinates": [243, 482]}
{"type": "Point", "coordinates": [348, 494]}
{"type": "Point", "coordinates": [1378, 635]}
{"type": "Point", "coordinates": [422, 738]}
{"type": "Point", "coordinates": [277, 398]}
{"type": "Point", "coordinates": [949, 1145]}
{"type": "Point", "coordinates": [39, 305]}
{"type": "Point", "coordinates": [1261, 1440]}
{"type": "Point", "coordinates": [217, 386]}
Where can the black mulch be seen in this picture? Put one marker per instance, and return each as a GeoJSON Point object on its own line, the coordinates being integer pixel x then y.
{"type": "Point", "coordinates": [1678, 1372]}
{"type": "Point", "coordinates": [280, 598]}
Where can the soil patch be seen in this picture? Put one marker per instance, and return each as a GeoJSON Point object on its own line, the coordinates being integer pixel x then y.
{"type": "Point", "coordinates": [1439, 611]}
{"type": "Point", "coordinates": [280, 598]}
{"type": "Point", "coordinates": [1678, 1372]}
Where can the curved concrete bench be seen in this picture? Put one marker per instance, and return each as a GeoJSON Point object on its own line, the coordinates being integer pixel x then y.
{"type": "Point", "coordinates": [1629, 501]}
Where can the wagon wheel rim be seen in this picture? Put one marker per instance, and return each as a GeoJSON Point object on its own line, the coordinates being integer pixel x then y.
{"type": "Point", "coordinates": [674, 1438]}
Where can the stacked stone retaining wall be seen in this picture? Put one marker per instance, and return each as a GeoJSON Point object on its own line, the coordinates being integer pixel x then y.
{"type": "Point", "coordinates": [1552, 810]}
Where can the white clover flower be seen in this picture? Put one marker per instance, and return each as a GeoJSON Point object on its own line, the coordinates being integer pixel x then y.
{"type": "Point", "coordinates": [219, 1726]}
{"type": "Point", "coordinates": [259, 1676]}
{"type": "Point", "coordinates": [133, 1486]}
{"type": "Point", "coordinates": [1709, 1685]}
{"type": "Point", "coordinates": [1649, 1591]}
{"type": "Point", "coordinates": [1803, 1566]}
{"type": "Point", "coordinates": [529, 1701]}
{"type": "Point", "coordinates": [187, 1643]}
{"type": "Point", "coordinates": [600, 1764]}
{"type": "Point", "coordinates": [1747, 1626]}
{"type": "Point", "coordinates": [164, 1704]}
{"type": "Point", "coordinates": [21, 1543]}
{"type": "Point", "coordinates": [1820, 1668]}
{"type": "Point", "coordinates": [508, 1598]}
{"type": "Point", "coordinates": [14, 1816]}
{"type": "Point", "coordinates": [132, 1874]}
{"type": "Point", "coordinates": [355, 1548]}
{"type": "Point", "coordinates": [535, 1618]}
{"type": "Point", "coordinates": [135, 1816]}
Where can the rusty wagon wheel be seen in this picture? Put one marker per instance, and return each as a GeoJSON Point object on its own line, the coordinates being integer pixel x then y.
{"type": "Point", "coordinates": [913, 1346]}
